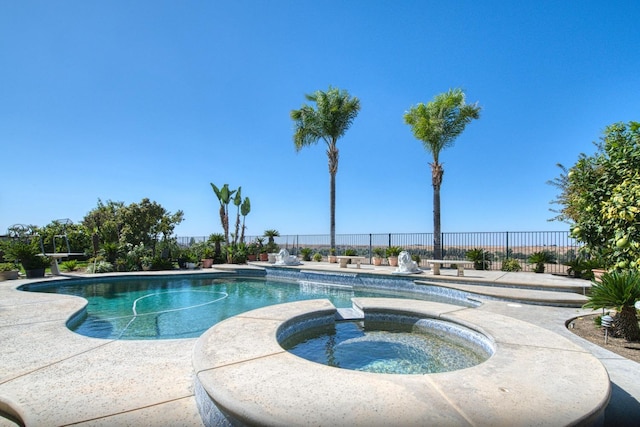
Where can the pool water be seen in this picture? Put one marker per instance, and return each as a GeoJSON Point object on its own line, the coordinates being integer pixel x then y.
{"type": "Point", "coordinates": [181, 307]}
{"type": "Point", "coordinates": [381, 347]}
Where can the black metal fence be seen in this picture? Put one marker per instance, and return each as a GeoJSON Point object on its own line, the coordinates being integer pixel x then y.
{"type": "Point", "coordinates": [499, 246]}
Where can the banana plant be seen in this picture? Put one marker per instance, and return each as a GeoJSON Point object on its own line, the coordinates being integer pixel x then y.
{"type": "Point", "coordinates": [237, 201]}
{"type": "Point", "coordinates": [245, 208]}
{"type": "Point", "coordinates": [224, 195]}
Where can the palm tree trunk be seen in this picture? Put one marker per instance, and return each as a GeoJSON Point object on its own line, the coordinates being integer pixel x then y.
{"type": "Point", "coordinates": [627, 323]}
{"type": "Point", "coordinates": [332, 196]}
{"type": "Point", "coordinates": [225, 223]}
{"type": "Point", "coordinates": [436, 179]}
{"type": "Point", "coordinates": [332, 153]}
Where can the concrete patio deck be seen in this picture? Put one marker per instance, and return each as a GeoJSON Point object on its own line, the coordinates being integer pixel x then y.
{"type": "Point", "coordinates": [52, 376]}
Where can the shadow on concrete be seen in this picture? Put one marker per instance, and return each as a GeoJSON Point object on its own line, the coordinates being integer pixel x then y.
{"type": "Point", "coordinates": [623, 409]}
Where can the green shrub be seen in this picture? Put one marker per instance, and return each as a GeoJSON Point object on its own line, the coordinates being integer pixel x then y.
{"type": "Point", "coordinates": [378, 252]}
{"type": "Point", "coordinates": [580, 268]}
{"type": "Point", "coordinates": [393, 251]}
{"type": "Point", "coordinates": [540, 258]}
{"type": "Point", "coordinates": [350, 252]}
{"type": "Point", "coordinates": [317, 257]}
{"type": "Point", "coordinates": [36, 263]}
{"type": "Point", "coordinates": [100, 267]}
{"type": "Point", "coordinates": [71, 265]}
{"type": "Point", "coordinates": [158, 263]}
{"type": "Point", "coordinates": [306, 254]}
{"type": "Point", "coordinates": [511, 265]}
{"type": "Point", "coordinates": [619, 290]}
{"type": "Point", "coordinates": [7, 266]}
{"type": "Point", "coordinates": [481, 258]}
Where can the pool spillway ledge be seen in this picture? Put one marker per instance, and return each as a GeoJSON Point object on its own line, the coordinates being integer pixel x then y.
{"type": "Point", "coordinates": [244, 377]}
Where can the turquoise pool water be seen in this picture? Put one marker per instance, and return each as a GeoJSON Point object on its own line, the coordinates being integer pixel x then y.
{"type": "Point", "coordinates": [382, 347]}
{"type": "Point", "coordinates": [184, 307]}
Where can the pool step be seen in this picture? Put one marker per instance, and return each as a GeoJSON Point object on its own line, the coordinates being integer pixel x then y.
{"type": "Point", "coordinates": [349, 314]}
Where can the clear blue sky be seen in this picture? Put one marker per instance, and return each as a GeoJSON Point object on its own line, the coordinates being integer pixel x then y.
{"type": "Point", "coordinates": [121, 100]}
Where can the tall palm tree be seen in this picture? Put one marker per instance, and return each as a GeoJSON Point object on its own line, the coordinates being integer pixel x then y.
{"type": "Point", "coordinates": [437, 124]}
{"type": "Point", "coordinates": [335, 111]}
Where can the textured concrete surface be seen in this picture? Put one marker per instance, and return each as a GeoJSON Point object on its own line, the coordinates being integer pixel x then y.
{"type": "Point", "coordinates": [52, 376]}
{"type": "Point", "coordinates": [525, 382]}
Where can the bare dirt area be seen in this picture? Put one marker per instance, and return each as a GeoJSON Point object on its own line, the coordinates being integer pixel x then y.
{"type": "Point", "coordinates": [586, 328]}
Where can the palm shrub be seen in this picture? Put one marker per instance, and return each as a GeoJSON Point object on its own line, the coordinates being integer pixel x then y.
{"type": "Point", "coordinates": [393, 251]}
{"type": "Point", "coordinates": [350, 252]}
{"type": "Point", "coordinates": [581, 268]}
{"type": "Point", "coordinates": [71, 265]}
{"type": "Point", "coordinates": [481, 258]}
{"type": "Point", "coordinates": [217, 239]}
{"type": "Point", "coordinates": [271, 235]}
{"type": "Point", "coordinates": [378, 252]}
{"type": "Point", "coordinates": [618, 290]}
{"type": "Point", "coordinates": [272, 246]}
{"type": "Point", "coordinates": [111, 251]}
{"type": "Point", "coordinates": [160, 263]}
{"type": "Point", "coordinates": [306, 254]}
{"type": "Point", "coordinates": [540, 258]}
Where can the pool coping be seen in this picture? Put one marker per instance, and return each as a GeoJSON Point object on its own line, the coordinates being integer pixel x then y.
{"type": "Point", "coordinates": [526, 381]}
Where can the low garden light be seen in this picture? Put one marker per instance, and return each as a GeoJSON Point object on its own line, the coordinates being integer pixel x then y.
{"type": "Point", "coordinates": [606, 322]}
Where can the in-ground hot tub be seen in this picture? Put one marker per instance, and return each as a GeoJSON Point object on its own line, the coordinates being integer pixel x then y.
{"type": "Point", "coordinates": [387, 343]}
{"type": "Point", "coordinates": [245, 377]}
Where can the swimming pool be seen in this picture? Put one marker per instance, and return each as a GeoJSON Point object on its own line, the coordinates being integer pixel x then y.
{"type": "Point", "coordinates": [170, 307]}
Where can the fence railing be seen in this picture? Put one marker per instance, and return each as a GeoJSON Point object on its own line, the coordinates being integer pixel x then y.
{"type": "Point", "coordinates": [499, 246]}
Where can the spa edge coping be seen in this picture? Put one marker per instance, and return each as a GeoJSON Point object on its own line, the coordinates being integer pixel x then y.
{"type": "Point", "coordinates": [243, 376]}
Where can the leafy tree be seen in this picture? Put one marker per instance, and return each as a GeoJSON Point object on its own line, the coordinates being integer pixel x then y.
{"type": "Point", "coordinates": [144, 222]}
{"type": "Point", "coordinates": [106, 221]}
{"type": "Point", "coordinates": [77, 236]}
{"type": "Point", "coordinates": [437, 124]}
{"type": "Point", "coordinates": [619, 290]}
{"type": "Point", "coordinates": [335, 111]}
{"type": "Point", "coordinates": [600, 198]}
{"type": "Point", "coordinates": [24, 246]}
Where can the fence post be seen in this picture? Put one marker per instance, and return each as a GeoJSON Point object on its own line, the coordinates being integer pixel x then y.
{"type": "Point", "coordinates": [507, 248]}
{"type": "Point", "coordinates": [370, 247]}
